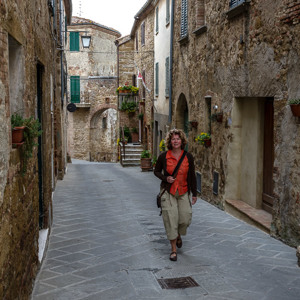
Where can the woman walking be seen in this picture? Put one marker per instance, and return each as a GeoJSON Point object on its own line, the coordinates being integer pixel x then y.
{"type": "Point", "coordinates": [175, 201]}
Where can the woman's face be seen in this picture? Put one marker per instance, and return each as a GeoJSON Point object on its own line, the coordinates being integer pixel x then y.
{"type": "Point", "coordinates": [176, 141]}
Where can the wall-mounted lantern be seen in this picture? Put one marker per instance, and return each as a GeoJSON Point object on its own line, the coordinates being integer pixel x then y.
{"type": "Point", "coordinates": [86, 40]}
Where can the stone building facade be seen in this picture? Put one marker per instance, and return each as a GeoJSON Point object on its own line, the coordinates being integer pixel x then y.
{"type": "Point", "coordinates": [92, 82]}
{"type": "Point", "coordinates": [241, 59]}
{"type": "Point", "coordinates": [31, 40]}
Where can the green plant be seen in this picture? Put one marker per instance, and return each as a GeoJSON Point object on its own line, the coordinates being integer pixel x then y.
{"type": "Point", "coordinates": [129, 106]}
{"type": "Point", "coordinates": [162, 145]}
{"type": "Point", "coordinates": [31, 132]}
{"type": "Point", "coordinates": [127, 87]}
{"type": "Point", "coordinates": [145, 154]}
{"type": "Point", "coordinates": [294, 101]}
{"type": "Point", "coordinates": [154, 160]}
{"type": "Point", "coordinates": [141, 116]}
{"type": "Point", "coordinates": [202, 137]}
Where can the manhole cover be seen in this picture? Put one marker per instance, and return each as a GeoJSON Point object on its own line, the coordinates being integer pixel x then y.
{"type": "Point", "coordinates": [177, 283]}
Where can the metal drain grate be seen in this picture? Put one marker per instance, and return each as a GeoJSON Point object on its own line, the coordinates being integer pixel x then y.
{"type": "Point", "coordinates": [177, 283]}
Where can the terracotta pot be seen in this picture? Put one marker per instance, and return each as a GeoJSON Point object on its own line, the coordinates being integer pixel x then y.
{"type": "Point", "coordinates": [146, 164]}
{"type": "Point", "coordinates": [124, 91]}
{"type": "Point", "coordinates": [295, 109]}
{"type": "Point", "coordinates": [18, 135]}
{"type": "Point", "coordinates": [207, 143]}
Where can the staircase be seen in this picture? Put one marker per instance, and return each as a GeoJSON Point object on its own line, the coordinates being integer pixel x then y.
{"type": "Point", "coordinates": [132, 155]}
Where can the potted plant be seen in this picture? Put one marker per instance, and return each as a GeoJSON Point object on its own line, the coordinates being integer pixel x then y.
{"type": "Point", "coordinates": [153, 161]}
{"type": "Point", "coordinates": [141, 116]}
{"type": "Point", "coordinates": [295, 106]}
{"type": "Point", "coordinates": [146, 160]}
{"type": "Point", "coordinates": [162, 145]}
{"type": "Point", "coordinates": [129, 107]}
{"type": "Point", "coordinates": [127, 89]}
{"type": "Point", "coordinates": [31, 132]}
{"type": "Point", "coordinates": [17, 126]}
{"type": "Point", "coordinates": [204, 139]}
{"type": "Point", "coordinates": [134, 135]}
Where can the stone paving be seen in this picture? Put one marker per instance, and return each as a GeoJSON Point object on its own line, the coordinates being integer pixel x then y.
{"type": "Point", "coordinates": [108, 242]}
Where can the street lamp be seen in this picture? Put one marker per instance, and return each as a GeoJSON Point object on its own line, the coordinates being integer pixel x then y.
{"type": "Point", "coordinates": [86, 40]}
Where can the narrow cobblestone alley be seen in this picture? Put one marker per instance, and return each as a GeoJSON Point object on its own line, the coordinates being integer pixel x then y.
{"type": "Point", "coordinates": [108, 242]}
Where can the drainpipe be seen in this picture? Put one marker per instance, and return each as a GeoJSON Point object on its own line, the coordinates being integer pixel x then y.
{"type": "Point", "coordinates": [171, 61]}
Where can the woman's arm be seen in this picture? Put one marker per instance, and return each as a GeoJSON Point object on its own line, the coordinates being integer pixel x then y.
{"type": "Point", "coordinates": [159, 167]}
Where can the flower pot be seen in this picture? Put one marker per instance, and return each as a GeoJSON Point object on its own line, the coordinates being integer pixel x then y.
{"type": "Point", "coordinates": [146, 164]}
{"type": "Point", "coordinates": [125, 91]}
{"type": "Point", "coordinates": [18, 135]}
{"type": "Point", "coordinates": [295, 108]}
{"type": "Point", "coordinates": [207, 143]}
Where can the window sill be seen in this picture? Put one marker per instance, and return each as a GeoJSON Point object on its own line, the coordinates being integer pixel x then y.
{"type": "Point", "coordinates": [184, 40]}
{"type": "Point", "coordinates": [200, 30]}
{"type": "Point", "coordinates": [238, 10]}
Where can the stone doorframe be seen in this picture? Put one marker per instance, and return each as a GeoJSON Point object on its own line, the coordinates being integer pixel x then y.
{"type": "Point", "coordinates": [181, 107]}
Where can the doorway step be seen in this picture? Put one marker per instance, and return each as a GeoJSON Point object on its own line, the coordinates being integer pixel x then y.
{"type": "Point", "coordinates": [132, 155]}
{"type": "Point", "coordinates": [253, 216]}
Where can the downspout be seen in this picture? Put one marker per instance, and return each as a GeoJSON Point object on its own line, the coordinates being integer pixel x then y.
{"type": "Point", "coordinates": [171, 62]}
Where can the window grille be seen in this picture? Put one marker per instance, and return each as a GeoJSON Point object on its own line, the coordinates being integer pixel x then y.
{"type": "Point", "coordinates": [234, 3]}
{"type": "Point", "coordinates": [184, 18]}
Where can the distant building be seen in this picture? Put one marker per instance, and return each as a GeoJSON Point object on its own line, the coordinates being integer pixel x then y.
{"type": "Point", "coordinates": [93, 128]}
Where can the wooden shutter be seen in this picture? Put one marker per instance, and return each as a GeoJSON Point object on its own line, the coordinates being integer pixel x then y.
{"type": "Point", "coordinates": [156, 20]}
{"type": "Point", "coordinates": [74, 41]}
{"type": "Point", "coordinates": [184, 18]}
{"type": "Point", "coordinates": [167, 11]}
{"type": "Point", "coordinates": [167, 65]}
{"type": "Point", "coordinates": [156, 79]}
{"type": "Point", "coordinates": [75, 89]}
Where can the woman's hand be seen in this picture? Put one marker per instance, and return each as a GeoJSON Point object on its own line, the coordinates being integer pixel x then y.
{"type": "Point", "coordinates": [194, 200]}
{"type": "Point", "coordinates": [170, 179]}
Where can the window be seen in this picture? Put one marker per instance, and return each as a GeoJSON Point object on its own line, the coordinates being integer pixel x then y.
{"type": "Point", "coordinates": [200, 13]}
{"type": "Point", "coordinates": [234, 3]}
{"type": "Point", "coordinates": [136, 41]}
{"type": "Point", "coordinates": [167, 11]}
{"type": "Point", "coordinates": [156, 19]}
{"type": "Point", "coordinates": [74, 41]}
{"type": "Point", "coordinates": [156, 79]}
{"type": "Point", "coordinates": [144, 78]}
{"type": "Point", "coordinates": [75, 89]}
{"type": "Point", "coordinates": [167, 65]}
{"type": "Point", "coordinates": [143, 33]}
{"type": "Point", "coordinates": [184, 18]}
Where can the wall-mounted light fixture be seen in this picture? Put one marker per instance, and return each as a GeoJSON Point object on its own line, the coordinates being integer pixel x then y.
{"type": "Point", "coordinates": [86, 40]}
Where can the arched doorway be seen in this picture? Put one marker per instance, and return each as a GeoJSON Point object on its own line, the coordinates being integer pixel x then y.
{"type": "Point", "coordinates": [103, 136]}
{"type": "Point", "coordinates": [182, 115]}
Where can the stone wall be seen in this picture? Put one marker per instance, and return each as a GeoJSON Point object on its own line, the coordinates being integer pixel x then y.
{"type": "Point", "coordinates": [253, 55]}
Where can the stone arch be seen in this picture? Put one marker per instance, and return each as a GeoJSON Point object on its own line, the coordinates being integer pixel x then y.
{"type": "Point", "coordinates": [182, 114]}
{"type": "Point", "coordinates": [104, 130]}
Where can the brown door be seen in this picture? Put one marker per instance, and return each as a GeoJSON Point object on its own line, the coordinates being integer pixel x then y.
{"type": "Point", "coordinates": [267, 196]}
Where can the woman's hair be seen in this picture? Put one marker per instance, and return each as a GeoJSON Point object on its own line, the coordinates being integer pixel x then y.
{"type": "Point", "coordinates": [181, 135]}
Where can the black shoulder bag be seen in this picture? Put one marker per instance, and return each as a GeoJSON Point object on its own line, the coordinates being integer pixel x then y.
{"type": "Point", "coordinates": [158, 197]}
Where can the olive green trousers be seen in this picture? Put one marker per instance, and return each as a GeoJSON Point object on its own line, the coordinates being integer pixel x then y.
{"type": "Point", "coordinates": [176, 213]}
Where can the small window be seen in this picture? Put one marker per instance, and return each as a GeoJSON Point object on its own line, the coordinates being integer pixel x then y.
{"type": "Point", "coordinates": [167, 65]}
{"type": "Point", "coordinates": [156, 79]}
{"type": "Point", "coordinates": [198, 176]}
{"type": "Point", "coordinates": [75, 89]}
{"type": "Point", "coordinates": [144, 78]}
{"type": "Point", "coordinates": [136, 41]}
{"type": "Point", "coordinates": [143, 34]}
{"type": "Point", "coordinates": [156, 20]}
{"type": "Point", "coordinates": [167, 11]}
{"type": "Point", "coordinates": [74, 41]}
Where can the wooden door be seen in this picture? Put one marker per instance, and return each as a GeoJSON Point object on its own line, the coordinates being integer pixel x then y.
{"type": "Point", "coordinates": [267, 196]}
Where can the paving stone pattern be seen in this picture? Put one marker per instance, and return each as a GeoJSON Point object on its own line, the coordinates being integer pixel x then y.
{"type": "Point", "coordinates": [108, 242]}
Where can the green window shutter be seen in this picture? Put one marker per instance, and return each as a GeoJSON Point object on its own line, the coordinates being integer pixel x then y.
{"type": "Point", "coordinates": [156, 79]}
{"type": "Point", "coordinates": [167, 76]}
{"type": "Point", "coordinates": [74, 41]}
{"type": "Point", "coordinates": [156, 23]}
{"type": "Point", "coordinates": [167, 11]}
{"type": "Point", "coordinates": [184, 18]}
{"type": "Point", "coordinates": [75, 89]}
